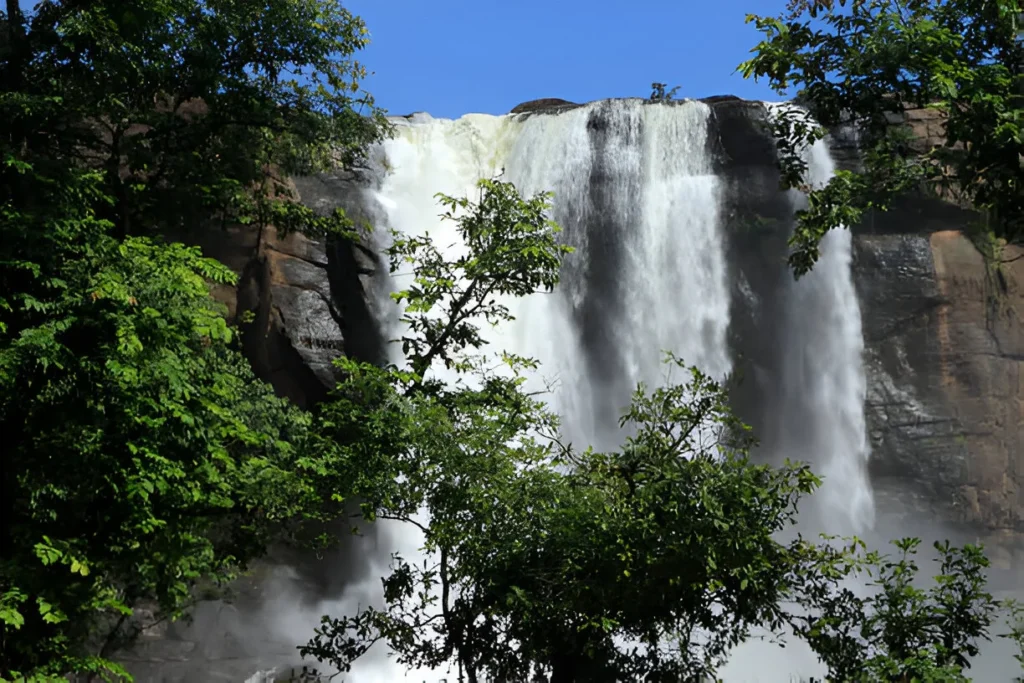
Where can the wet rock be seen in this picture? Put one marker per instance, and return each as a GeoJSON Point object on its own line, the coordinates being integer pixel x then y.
{"type": "Point", "coordinates": [293, 330]}
{"type": "Point", "coordinates": [944, 357]}
{"type": "Point", "coordinates": [543, 104]}
{"type": "Point", "coordinates": [302, 302]}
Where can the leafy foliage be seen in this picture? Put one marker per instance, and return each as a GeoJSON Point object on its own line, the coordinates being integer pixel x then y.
{"type": "Point", "coordinates": [666, 545]}
{"type": "Point", "coordinates": [141, 456]}
{"type": "Point", "coordinates": [141, 453]}
{"type": "Point", "coordinates": [540, 559]}
{"type": "Point", "coordinates": [512, 251]}
{"type": "Point", "coordinates": [412, 444]}
{"type": "Point", "coordinates": [187, 105]}
{"type": "Point", "coordinates": [898, 630]}
{"type": "Point", "coordinates": [866, 61]}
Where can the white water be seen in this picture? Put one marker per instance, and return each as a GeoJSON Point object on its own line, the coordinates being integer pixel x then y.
{"type": "Point", "coordinates": [656, 206]}
{"type": "Point", "coordinates": [638, 200]}
{"type": "Point", "coordinates": [823, 411]}
{"type": "Point", "coordinates": [820, 419]}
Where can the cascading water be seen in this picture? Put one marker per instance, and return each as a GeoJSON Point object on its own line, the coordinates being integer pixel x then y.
{"type": "Point", "coordinates": [820, 417]}
{"type": "Point", "coordinates": [822, 414]}
{"type": "Point", "coordinates": [637, 196]}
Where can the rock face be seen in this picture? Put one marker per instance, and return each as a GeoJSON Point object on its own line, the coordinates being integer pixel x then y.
{"type": "Point", "coordinates": [296, 323]}
{"type": "Point", "coordinates": [544, 104]}
{"type": "Point", "coordinates": [945, 354]}
{"type": "Point", "coordinates": [944, 341]}
{"type": "Point", "coordinates": [943, 331]}
{"type": "Point", "coordinates": [300, 302]}
{"type": "Point", "coordinates": [944, 338]}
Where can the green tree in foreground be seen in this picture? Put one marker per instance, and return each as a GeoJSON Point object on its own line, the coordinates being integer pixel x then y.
{"type": "Point", "coordinates": [141, 457]}
{"type": "Point", "coordinates": [650, 563]}
{"type": "Point", "coordinates": [1015, 622]}
{"type": "Point", "coordinates": [866, 60]}
{"type": "Point", "coordinates": [542, 559]}
{"type": "Point", "coordinates": [141, 454]}
{"type": "Point", "coordinates": [412, 443]}
{"type": "Point", "coordinates": [897, 629]}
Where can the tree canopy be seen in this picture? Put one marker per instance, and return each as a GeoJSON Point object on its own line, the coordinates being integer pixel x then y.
{"type": "Point", "coordinates": [141, 456]}
{"type": "Point", "coordinates": [543, 561]}
{"type": "Point", "coordinates": [865, 62]}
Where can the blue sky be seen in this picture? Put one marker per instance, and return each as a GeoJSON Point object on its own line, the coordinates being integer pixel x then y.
{"type": "Point", "coordinates": [451, 57]}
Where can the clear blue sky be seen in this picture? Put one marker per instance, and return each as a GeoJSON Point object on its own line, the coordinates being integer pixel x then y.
{"type": "Point", "coordinates": [451, 57]}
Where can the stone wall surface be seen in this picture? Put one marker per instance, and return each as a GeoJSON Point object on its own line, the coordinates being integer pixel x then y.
{"type": "Point", "coordinates": [944, 339]}
{"type": "Point", "coordinates": [300, 302]}
{"type": "Point", "coordinates": [944, 342]}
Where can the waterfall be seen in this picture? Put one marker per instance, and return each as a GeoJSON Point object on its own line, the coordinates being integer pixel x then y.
{"type": "Point", "coordinates": [637, 199]}
{"type": "Point", "coordinates": [636, 192]}
{"type": "Point", "coordinates": [825, 387]}
{"type": "Point", "coordinates": [820, 417]}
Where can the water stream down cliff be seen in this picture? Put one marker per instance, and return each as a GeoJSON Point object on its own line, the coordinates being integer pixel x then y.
{"type": "Point", "coordinates": [680, 232]}
{"type": "Point", "coordinates": [637, 194]}
{"type": "Point", "coordinates": [636, 191]}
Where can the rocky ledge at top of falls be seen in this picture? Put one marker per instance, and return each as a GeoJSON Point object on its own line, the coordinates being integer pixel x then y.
{"type": "Point", "coordinates": [944, 339]}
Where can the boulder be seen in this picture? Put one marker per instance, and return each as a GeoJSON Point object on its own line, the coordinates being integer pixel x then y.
{"type": "Point", "coordinates": [544, 104]}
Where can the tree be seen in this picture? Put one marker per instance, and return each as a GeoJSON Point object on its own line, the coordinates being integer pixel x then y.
{"type": "Point", "coordinates": [188, 105]}
{"type": "Point", "coordinates": [899, 631]}
{"type": "Point", "coordinates": [653, 562]}
{"type": "Point", "coordinates": [141, 457]}
{"type": "Point", "coordinates": [660, 94]}
{"type": "Point", "coordinates": [541, 558]}
{"type": "Point", "coordinates": [866, 61]}
{"type": "Point", "coordinates": [410, 442]}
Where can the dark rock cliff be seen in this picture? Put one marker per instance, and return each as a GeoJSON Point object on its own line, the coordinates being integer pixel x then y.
{"type": "Point", "coordinates": [943, 341]}
{"type": "Point", "coordinates": [300, 302]}
{"type": "Point", "coordinates": [945, 362]}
